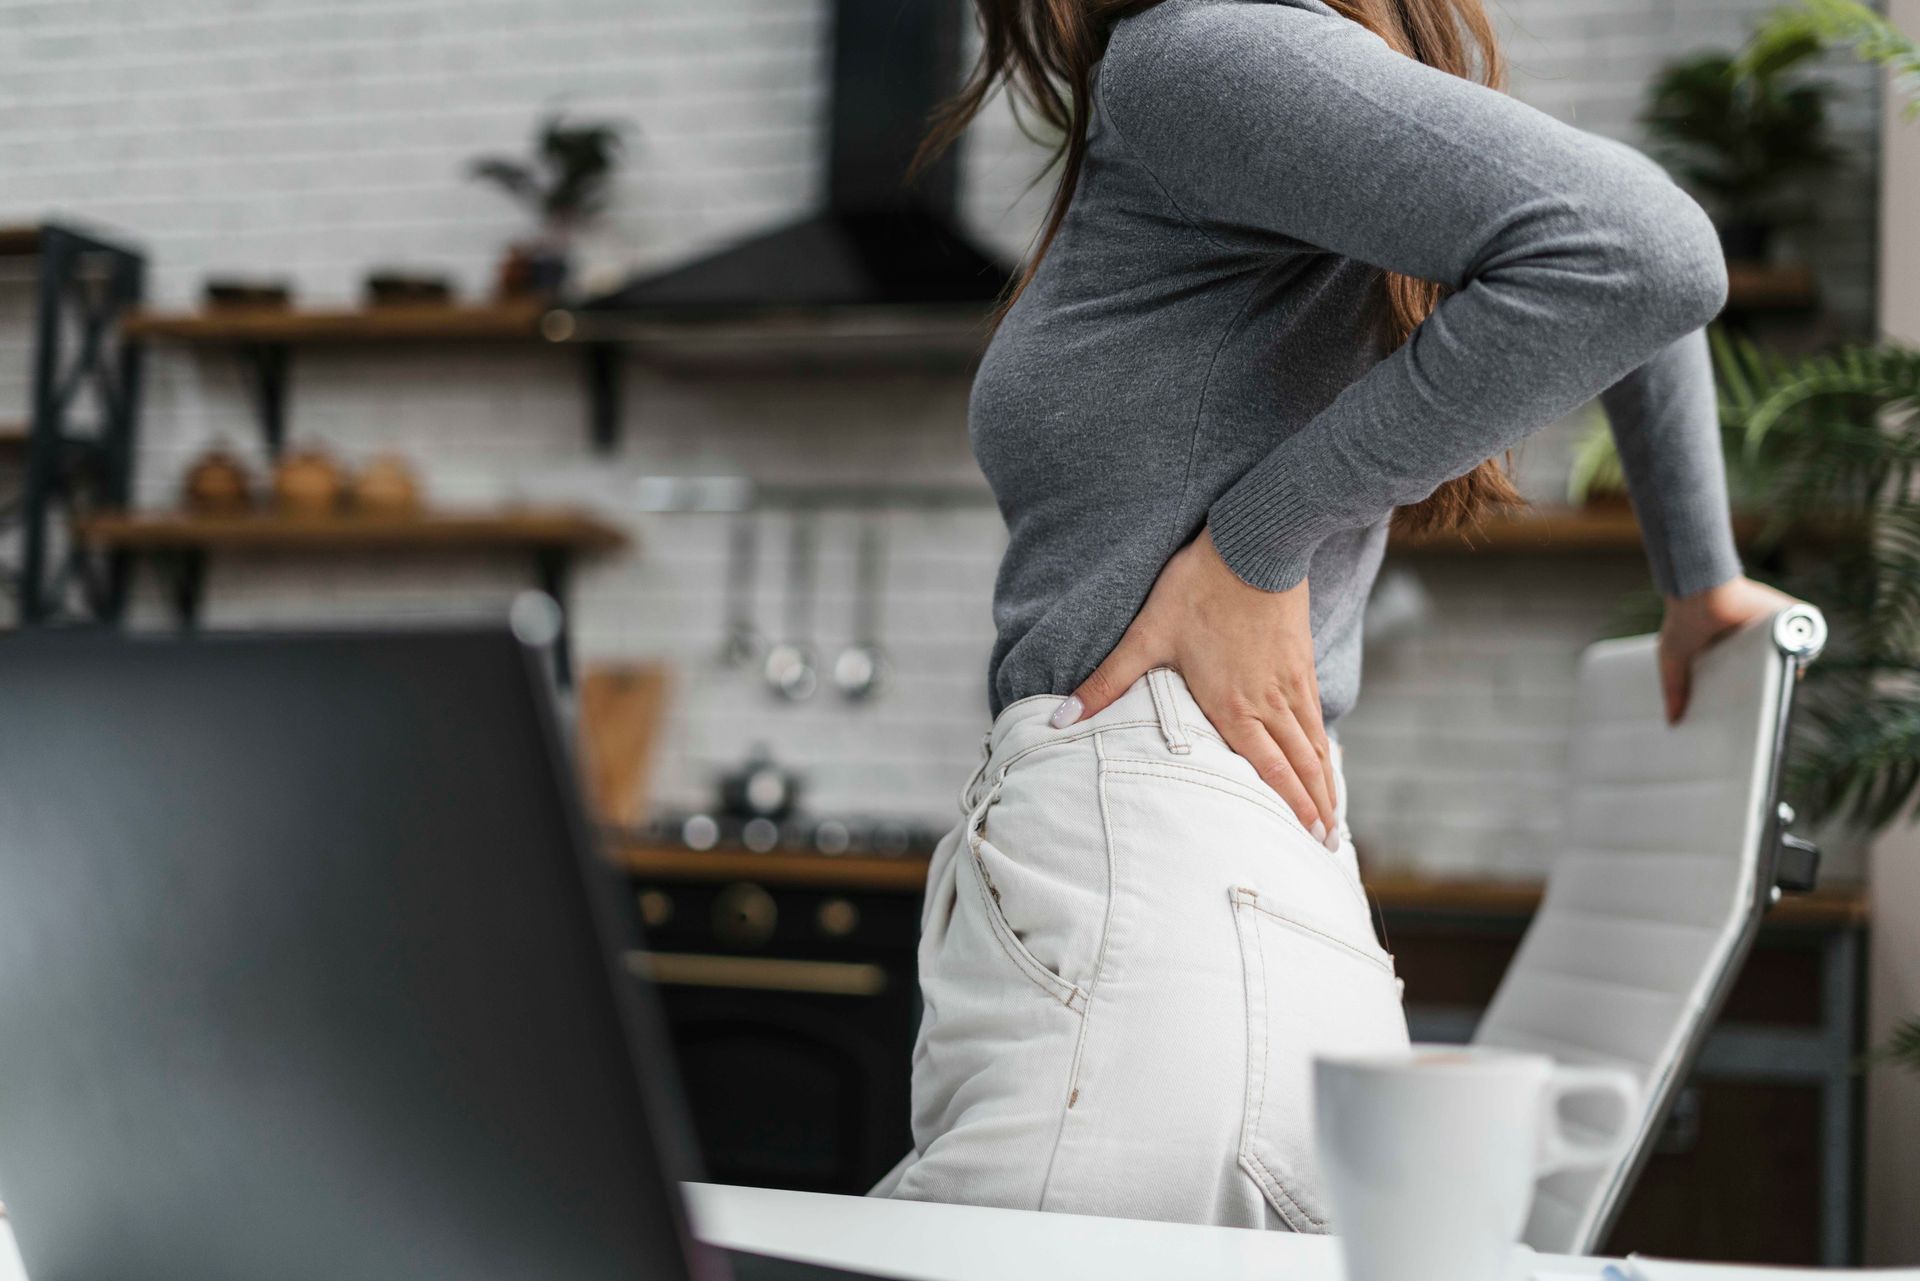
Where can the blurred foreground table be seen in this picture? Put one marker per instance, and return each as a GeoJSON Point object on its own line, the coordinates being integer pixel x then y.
{"type": "Point", "coordinates": [924, 1242]}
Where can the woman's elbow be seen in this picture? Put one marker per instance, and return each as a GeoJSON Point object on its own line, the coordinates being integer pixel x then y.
{"type": "Point", "coordinates": [1672, 269]}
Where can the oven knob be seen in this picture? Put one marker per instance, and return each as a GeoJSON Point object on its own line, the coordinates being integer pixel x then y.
{"type": "Point", "coordinates": [743, 915]}
{"type": "Point", "coordinates": [700, 832]}
{"type": "Point", "coordinates": [656, 909]}
{"type": "Point", "coordinates": [832, 837]}
{"type": "Point", "coordinates": [837, 918]}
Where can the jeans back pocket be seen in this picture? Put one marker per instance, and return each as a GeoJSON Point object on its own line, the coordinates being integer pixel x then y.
{"type": "Point", "coordinates": [1308, 993]}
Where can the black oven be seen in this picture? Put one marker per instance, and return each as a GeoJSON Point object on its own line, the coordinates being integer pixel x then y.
{"type": "Point", "coordinates": [793, 1009]}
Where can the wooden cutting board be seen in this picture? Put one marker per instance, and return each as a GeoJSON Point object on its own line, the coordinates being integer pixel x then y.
{"type": "Point", "coordinates": [622, 708]}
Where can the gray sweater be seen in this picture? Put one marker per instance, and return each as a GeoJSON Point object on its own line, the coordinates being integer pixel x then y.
{"type": "Point", "coordinates": [1200, 345]}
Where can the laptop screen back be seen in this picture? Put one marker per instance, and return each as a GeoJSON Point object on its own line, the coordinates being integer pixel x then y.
{"type": "Point", "coordinates": [305, 971]}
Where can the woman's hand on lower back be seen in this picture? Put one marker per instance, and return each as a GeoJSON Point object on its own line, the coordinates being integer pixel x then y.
{"type": "Point", "coordinates": [1247, 656]}
{"type": "Point", "coordinates": [1693, 623]}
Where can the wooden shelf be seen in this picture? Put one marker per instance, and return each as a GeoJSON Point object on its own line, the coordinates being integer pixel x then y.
{"type": "Point", "coordinates": [286, 326]}
{"type": "Point", "coordinates": [849, 332]}
{"type": "Point", "coordinates": [1842, 905]}
{"type": "Point", "coordinates": [1547, 531]}
{"type": "Point", "coordinates": [838, 340]}
{"type": "Point", "coordinates": [905, 873]}
{"type": "Point", "coordinates": [1755, 286]}
{"type": "Point", "coordinates": [1596, 529]}
{"type": "Point", "coordinates": [835, 339]}
{"type": "Point", "coordinates": [182, 542]}
{"type": "Point", "coordinates": [19, 241]}
{"type": "Point", "coordinates": [183, 531]}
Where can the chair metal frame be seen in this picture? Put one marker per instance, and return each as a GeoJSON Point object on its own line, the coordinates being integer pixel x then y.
{"type": "Point", "coordinates": [1799, 634]}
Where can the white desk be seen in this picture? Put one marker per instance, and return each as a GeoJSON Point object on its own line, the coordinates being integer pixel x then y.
{"type": "Point", "coordinates": [909, 1239]}
{"type": "Point", "coordinates": [922, 1242]}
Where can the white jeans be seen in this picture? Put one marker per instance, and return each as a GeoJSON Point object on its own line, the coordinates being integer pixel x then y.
{"type": "Point", "coordinates": [1131, 950]}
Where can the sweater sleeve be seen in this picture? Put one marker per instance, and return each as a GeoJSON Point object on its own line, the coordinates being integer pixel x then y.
{"type": "Point", "coordinates": [1666, 429]}
{"type": "Point", "coordinates": [1573, 260]}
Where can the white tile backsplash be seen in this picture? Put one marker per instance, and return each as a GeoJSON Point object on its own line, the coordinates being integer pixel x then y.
{"type": "Point", "coordinates": [313, 139]}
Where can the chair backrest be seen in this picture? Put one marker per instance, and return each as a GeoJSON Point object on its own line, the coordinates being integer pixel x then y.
{"type": "Point", "coordinates": [1665, 867]}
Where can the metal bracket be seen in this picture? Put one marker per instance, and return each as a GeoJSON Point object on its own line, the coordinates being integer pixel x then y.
{"type": "Point", "coordinates": [86, 285]}
{"type": "Point", "coordinates": [551, 566]}
{"type": "Point", "coordinates": [604, 361]}
{"type": "Point", "coordinates": [269, 364]}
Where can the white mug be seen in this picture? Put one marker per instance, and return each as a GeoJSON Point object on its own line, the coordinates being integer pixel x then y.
{"type": "Point", "coordinates": [1429, 1155]}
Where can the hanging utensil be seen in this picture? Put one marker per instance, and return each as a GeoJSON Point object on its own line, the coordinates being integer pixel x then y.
{"type": "Point", "coordinates": [790, 670]}
{"type": "Point", "coordinates": [744, 644]}
{"type": "Point", "coordinates": [862, 670]}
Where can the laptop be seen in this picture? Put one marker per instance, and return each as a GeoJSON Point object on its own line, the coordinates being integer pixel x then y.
{"type": "Point", "coordinates": [309, 968]}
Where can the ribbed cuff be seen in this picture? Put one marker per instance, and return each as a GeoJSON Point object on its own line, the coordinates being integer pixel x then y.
{"type": "Point", "coordinates": [1687, 561]}
{"type": "Point", "coordinates": [1266, 532]}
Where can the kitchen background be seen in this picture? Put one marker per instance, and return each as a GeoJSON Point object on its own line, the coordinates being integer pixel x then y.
{"type": "Point", "coordinates": [313, 142]}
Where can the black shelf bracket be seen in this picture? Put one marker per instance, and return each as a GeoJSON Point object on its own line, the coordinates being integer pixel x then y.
{"type": "Point", "coordinates": [552, 567]}
{"type": "Point", "coordinates": [269, 364]}
{"type": "Point", "coordinates": [604, 361]}
{"type": "Point", "coordinates": [184, 570]}
{"type": "Point", "coordinates": [186, 573]}
{"type": "Point", "coordinates": [269, 367]}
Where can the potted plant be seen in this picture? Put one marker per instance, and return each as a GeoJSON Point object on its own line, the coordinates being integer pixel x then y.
{"type": "Point", "coordinates": [563, 184]}
{"type": "Point", "coordinates": [1747, 133]}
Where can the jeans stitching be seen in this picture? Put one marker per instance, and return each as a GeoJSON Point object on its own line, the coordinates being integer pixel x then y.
{"type": "Point", "coordinates": [1382, 961]}
{"type": "Point", "coordinates": [1161, 770]}
{"type": "Point", "coordinates": [1166, 770]}
{"type": "Point", "coordinates": [1243, 898]}
{"type": "Point", "coordinates": [1090, 730]}
{"type": "Point", "coordinates": [1167, 712]}
{"type": "Point", "coordinates": [1099, 968]}
{"type": "Point", "coordinates": [1087, 731]}
{"type": "Point", "coordinates": [1052, 984]}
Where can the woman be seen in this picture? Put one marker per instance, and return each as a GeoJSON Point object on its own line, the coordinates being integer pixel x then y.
{"type": "Point", "coordinates": [1305, 267]}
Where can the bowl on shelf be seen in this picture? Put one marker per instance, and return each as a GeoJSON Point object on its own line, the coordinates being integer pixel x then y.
{"type": "Point", "coordinates": [308, 482]}
{"type": "Point", "coordinates": [217, 484]}
{"type": "Point", "coordinates": [386, 486]}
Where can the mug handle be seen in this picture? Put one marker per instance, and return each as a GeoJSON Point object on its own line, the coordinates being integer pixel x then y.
{"type": "Point", "coordinates": [1562, 1151]}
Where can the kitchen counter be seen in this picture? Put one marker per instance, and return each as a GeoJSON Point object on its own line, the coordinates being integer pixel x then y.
{"type": "Point", "coordinates": [1843, 904]}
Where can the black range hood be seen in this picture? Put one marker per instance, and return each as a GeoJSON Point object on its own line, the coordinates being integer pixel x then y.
{"type": "Point", "coordinates": [878, 243]}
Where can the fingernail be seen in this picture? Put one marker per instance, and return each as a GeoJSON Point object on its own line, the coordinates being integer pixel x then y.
{"type": "Point", "coordinates": [1332, 842]}
{"type": "Point", "coordinates": [1067, 713]}
{"type": "Point", "coordinates": [1319, 831]}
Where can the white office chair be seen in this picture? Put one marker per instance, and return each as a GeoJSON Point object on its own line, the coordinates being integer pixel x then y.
{"type": "Point", "coordinates": [1673, 848]}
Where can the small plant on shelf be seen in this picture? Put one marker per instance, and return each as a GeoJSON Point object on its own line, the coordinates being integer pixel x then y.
{"type": "Point", "coordinates": [563, 184]}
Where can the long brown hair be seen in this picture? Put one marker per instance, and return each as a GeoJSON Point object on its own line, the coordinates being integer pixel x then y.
{"type": "Point", "coordinates": [1044, 53]}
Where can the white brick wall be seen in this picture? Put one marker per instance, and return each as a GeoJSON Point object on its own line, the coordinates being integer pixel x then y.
{"type": "Point", "coordinates": [313, 139]}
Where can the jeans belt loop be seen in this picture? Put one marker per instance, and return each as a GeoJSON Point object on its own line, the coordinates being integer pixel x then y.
{"type": "Point", "coordinates": [1166, 709]}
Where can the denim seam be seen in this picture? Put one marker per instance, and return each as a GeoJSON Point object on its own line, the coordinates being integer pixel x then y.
{"type": "Point", "coordinates": [1167, 712]}
{"type": "Point", "coordinates": [1099, 968]}
{"type": "Point", "coordinates": [1056, 987]}
{"type": "Point", "coordinates": [1381, 961]}
{"type": "Point", "coordinates": [1244, 898]}
{"type": "Point", "coordinates": [1202, 730]}
{"type": "Point", "coordinates": [1087, 732]}
{"type": "Point", "coordinates": [1161, 770]}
